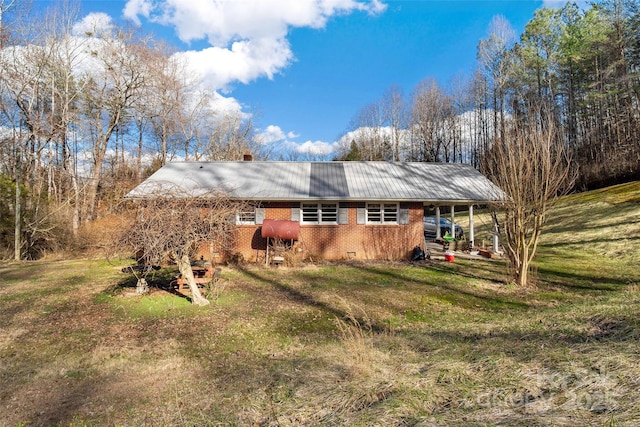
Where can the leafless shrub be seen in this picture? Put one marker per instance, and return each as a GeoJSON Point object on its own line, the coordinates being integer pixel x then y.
{"type": "Point", "coordinates": [533, 167]}
{"type": "Point", "coordinates": [171, 224]}
{"type": "Point", "coordinates": [294, 257]}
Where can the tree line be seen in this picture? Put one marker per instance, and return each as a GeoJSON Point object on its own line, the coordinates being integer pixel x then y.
{"type": "Point", "coordinates": [88, 111]}
{"type": "Point", "coordinates": [582, 67]}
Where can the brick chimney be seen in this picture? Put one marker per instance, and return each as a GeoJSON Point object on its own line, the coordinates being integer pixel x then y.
{"type": "Point", "coordinates": [247, 157]}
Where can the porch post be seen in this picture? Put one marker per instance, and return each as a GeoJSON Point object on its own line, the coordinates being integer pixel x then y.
{"type": "Point", "coordinates": [471, 234]}
{"type": "Point", "coordinates": [453, 221]}
{"type": "Point", "coordinates": [438, 234]}
{"type": "Point", "coordinates": [496, 245]}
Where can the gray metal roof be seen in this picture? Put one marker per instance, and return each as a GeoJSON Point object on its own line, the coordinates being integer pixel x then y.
{"type": "Point", "coordinates": [297, 181]}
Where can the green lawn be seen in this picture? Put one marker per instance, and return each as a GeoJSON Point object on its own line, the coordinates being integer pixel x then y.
{"type": "Point", "coordinates": [339, 344]}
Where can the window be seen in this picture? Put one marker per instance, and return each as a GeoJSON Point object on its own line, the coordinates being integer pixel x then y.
{"type": "Point", "coordinates": [246, 217]}
{"type": "Point", "coordinates": [329, 212]}
{"type": "Point", "coordinates": [382, 213]}
{"type": "Point", "coordinates": [310, 213]}
{"type": "Point", "coordinates": [319, 213]}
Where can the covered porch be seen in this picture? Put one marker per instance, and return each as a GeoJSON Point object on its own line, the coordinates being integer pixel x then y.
{"type": "Point", "coordinates": [463, 215]}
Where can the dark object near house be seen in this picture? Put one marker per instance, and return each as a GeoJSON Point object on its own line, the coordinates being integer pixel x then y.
{"type": "Point", "coordinates": [445, 227]}
{"type": "Point", "coordinates": [419, 255]}
{"type": "Point", "coordinates": [203, 276]}
{"type": "Point", "coordinates": [281, 229]}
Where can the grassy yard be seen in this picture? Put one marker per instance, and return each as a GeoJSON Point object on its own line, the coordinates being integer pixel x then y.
{"type": "Point", "coordinates": [350, 344]}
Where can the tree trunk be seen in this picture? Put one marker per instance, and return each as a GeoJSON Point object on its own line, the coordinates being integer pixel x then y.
{"type": "Point", "coordinates": [89, 211]}
{"type": "Point", "coordinates": [522, 275]}
{"type": "Point", "coordinates": [142, 287]}
{"type": "Point", "coordinates": [18, 214]}
{"type": "Point", "coordinates": [522, 266]}
{"type": "Point", "coordinates": [184, 265]}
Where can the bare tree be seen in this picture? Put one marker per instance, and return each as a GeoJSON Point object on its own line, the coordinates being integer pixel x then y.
{"type": "Point", "coordinates": [493, 55]}
{"type": "Point", "coordinates": [369, 134]}
{"type": "Point", "coordinates": [24, 110]}
{"type": "Point", "coordinates": [168, 103]}
{"type": "Point", "coordinates": [431, 109]}
{"type": "Point", "coordinates": [110, 91]}
{"type": "Point", "coordinates": [230, 137]}
{"type": "Point", "coordinates": [533, 167]}
{"type": "Point", "coordinates": [173, 224]}
{"type": "Point", "coordinates": [67, 53]}
{"type": "Point", "coordinates": [14, 7]}
{"type": "Point", "coordinates": [395, 112]}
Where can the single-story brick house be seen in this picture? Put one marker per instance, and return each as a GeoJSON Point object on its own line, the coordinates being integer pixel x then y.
{"type": "Point", "coordinates": [362, 210]}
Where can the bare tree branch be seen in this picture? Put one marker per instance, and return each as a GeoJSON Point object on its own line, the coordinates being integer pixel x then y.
{"type": "Point", "coordinates": [533, 167]}
{"type": "Point", "coordinates": [172, 225]}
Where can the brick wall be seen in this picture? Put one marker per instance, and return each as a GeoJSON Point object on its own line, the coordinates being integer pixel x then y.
{"type": "Point", "coordinates": [336, 242]}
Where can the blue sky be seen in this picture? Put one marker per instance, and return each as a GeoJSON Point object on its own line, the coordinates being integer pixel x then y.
{"type": "Point", "coordinates": [304, 68]}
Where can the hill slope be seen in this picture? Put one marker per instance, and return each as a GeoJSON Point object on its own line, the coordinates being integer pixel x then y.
{"type": "Point", "coordinates": [596, 234]}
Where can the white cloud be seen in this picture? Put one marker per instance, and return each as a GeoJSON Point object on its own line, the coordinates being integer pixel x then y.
{"type": "Point", "coordinates": [94, 24]}
{"type": "Point", "coordinates": [271, 134]}
{"type": "Point", "coordinates": [133, 8]}
{"type": "Point", "coordinates": [367, 132]}
{"type": "Point", "coordinates": [222, 21]}
{"type": "Point", "coordinates": [225, 104]}
{"type": "Point", "coordinates": [244, 62]}
{"type": "Point", "coordinates": [274, 133]}
{"type": "Point", "coordinates": [247, 41]}
{"type": "Point", "coordinates": [316, 148]}
{"type": "Point", "coordinates": [248, 38]}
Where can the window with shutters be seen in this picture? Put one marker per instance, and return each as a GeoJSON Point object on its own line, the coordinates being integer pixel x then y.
{"type": "Point", "coordinates": [319, 213]}
{"type": "Point", "coordinates": [382, 213]}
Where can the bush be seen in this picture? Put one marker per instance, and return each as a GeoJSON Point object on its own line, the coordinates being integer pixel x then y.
{"type": "Point", "coordinates": [7, 215]}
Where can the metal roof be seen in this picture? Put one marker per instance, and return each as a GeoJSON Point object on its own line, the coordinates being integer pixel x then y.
{"type": "Point", "coordinates": [340, 181]}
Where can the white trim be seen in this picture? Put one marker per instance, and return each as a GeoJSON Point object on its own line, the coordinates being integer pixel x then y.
{"type": "Point", "coordinates": [381, 211]}
{"type": "Point", "coordinates": [245, 221]}
{"type": "Point", "coordinates": [326, 213]}
{"type": "Point", "coordinates": [471, 228]}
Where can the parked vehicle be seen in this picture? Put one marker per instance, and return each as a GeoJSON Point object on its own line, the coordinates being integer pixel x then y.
{"type": "Point", "coordinates": [445, 226]}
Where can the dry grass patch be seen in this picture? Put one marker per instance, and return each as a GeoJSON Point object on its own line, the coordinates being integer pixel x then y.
{"type": "Point", "coordinates": [337, 345]}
